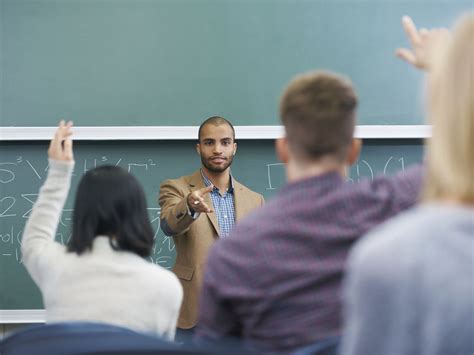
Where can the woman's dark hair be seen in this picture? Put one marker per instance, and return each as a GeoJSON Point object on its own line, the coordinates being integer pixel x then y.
{"type": "Point", "coordinates": [111, 202]}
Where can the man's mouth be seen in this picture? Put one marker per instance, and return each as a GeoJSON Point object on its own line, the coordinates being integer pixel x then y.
{"type": "Point", "coordinates": [218, 159]}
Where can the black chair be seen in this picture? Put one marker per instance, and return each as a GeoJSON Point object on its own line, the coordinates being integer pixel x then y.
{"type": "Point", "coordinates": [88, 338]}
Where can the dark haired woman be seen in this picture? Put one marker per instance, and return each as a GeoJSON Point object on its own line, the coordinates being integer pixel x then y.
{"type": "Point", "coordinates": [101, 275]}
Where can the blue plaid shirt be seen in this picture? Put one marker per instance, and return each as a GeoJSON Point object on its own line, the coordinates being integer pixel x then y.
{"type": "Point", "coordinates": [223, 206]}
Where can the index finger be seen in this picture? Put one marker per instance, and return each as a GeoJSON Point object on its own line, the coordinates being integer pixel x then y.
{"type": "Point", "coordinates": [410, 30]}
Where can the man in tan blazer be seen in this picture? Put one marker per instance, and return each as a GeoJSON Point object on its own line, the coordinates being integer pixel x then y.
{"type": "Point", "coordinates": [200, 208]}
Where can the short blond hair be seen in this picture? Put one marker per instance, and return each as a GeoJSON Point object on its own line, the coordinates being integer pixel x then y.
{"type": "Point", "coordinates": [450, 152]}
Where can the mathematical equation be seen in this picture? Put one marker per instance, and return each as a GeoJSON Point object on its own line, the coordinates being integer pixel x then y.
{"type": "Point", "coordinates": [8, 170]}
{"type": "Point", "coordinates": [361, 170]}
{"type": "Point", "coordinates": [16, 207]}
{"type": "Point", "coordinates": [10, 235]}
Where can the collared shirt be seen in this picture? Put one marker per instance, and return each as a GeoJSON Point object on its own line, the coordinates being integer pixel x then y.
{"type": "Point", "coordinates": [224, 207]}
{"type": "Point", "coordinates": [276, 281]}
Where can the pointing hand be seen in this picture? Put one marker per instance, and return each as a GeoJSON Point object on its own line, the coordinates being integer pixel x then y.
{"type": "Point", "coordinates": [196, 202]}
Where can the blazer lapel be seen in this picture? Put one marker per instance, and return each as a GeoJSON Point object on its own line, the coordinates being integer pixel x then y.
{"type": "Point", "coordinates": [241, 203]}
{"type": "Point", "coordinates": [196, 182]}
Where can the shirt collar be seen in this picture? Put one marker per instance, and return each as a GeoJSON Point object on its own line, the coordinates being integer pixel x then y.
{"type": "Point", "coordinates": [208, 182]}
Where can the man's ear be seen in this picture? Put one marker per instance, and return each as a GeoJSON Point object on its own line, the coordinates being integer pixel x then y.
{"type": "Point", "coordinates": [235, 148]}
{"type": "Point", "coordinates": [198, 149]}
{"type": "Point", "coordinates": [281, 148]}
{"type": "Point", "coordinates": [353, 151]}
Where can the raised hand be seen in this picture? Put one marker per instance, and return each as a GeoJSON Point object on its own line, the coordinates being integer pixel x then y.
{"type": "Point", "coordinates": [424, 44]}
{"type": "Point", "coordinates": [60, 147]}
{"type": "Point", "coordinates": [196, 202]}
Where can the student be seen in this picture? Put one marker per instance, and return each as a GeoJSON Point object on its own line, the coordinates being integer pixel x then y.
{"type": "Point", "coordinates": [275, 282]}
{"type": "Point", "coordinates": [410, 285]}
{"type": "Point", "coordinates": [200, 208]}
{"type": "Point", "coordinates": [101, 275]}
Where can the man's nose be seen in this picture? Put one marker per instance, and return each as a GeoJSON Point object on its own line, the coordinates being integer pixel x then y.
{"type": "Point", "coordinates": [218, 149]}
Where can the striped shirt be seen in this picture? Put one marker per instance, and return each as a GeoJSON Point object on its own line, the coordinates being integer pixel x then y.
{"type": "Point", "coordinates": [276, 282]}
{"type": "Point", "coordinates": [223, 206]}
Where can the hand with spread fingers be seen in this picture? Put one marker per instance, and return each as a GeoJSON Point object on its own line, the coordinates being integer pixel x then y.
{"type": "Point", "coordinates": [196, 202]}
{"type": "Point", "coordinates": [424, 44]}
{"type": "Point", "coordinates": [60, 147]}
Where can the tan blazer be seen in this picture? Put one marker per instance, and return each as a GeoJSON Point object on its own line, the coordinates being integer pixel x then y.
{"type": "Point", "coordinates": [193, 238]}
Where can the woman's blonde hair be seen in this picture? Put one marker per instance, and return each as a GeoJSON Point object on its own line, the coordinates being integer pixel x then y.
{"type": "Point", "coordinates": [450, 155]}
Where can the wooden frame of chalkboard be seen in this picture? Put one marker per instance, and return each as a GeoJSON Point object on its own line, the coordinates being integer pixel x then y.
{"type": "Point", "coordinates": [190, 132]}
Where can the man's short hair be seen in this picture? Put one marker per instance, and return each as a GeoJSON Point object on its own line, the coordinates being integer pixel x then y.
{"type": "Point", "coordinates": [216, 121]}
{"type": "Point", "coordinates": [318, 112]}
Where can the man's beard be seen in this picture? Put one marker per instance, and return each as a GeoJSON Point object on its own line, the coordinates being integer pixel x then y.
{"type": "Point", "coordinates": [217, 169]}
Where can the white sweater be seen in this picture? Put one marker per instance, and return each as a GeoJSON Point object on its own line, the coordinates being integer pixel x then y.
{"type": "Point", "coordinates": [103, 285]}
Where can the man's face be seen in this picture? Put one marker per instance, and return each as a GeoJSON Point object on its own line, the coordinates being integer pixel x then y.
{"type": "Point", "coordinates": [216, 147]}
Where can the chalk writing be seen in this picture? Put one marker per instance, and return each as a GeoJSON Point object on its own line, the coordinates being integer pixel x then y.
{"type": "Point", "coordinates": [272, 169]}
{"type": "Point", "coordinates": [361, 170]}
{"type": "Point", "coordinates": [6, 203]}
{"type": "Point", "coordinates": [6, 175]}
{"type": "Point", "coordinates": [21, 179]}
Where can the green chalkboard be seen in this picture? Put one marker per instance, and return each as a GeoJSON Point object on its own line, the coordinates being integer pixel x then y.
{"type": "Point", "coordinates": [23, 168]}
{"type": "Point", "coordinates": [176, 62]}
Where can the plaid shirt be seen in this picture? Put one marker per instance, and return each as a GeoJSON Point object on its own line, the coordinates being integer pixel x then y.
{"type": "Point", "coordinates": [276, 280]}
{"type": "Point", "coordinates": [223, 206]}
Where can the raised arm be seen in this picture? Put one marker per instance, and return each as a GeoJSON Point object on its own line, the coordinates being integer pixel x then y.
{"type": "Point", "coordinates": [40, 229]}
{"type": "Point", "coordinates": [424, 44]}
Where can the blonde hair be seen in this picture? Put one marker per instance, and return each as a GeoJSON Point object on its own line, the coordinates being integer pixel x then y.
{"type": "Point", "coordinates": [450, 152]}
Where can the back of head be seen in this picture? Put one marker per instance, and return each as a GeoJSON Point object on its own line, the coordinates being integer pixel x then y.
{"type": "Point", "coordinates": [111, 202]}
{"type": "Point", "coordinates": [451, 112]}
{"type": "Point", "coordinates": [318, 112]}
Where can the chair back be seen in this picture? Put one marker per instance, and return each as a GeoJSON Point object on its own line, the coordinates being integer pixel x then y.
{"type": "Point", "coordinates": [81, 338]}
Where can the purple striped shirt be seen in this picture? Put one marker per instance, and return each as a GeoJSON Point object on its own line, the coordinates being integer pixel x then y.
{"type": "Point", "coordinates": [276, 280]}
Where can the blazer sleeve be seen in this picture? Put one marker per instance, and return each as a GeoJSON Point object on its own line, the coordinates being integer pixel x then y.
{"type": "Point", "coordinates": [175, 217]}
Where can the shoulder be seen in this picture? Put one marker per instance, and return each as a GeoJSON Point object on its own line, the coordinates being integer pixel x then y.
{"type": "Point", "coordinates": [397, 242]}
{"type": "Point", "coordinates": [186, 179]}
{"type": "Point", "coordinates": [424, 227]}
{"type": "Point", "coordinates": [399, 257]}
{"type": "Point", "coordinates": [181, 183]}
